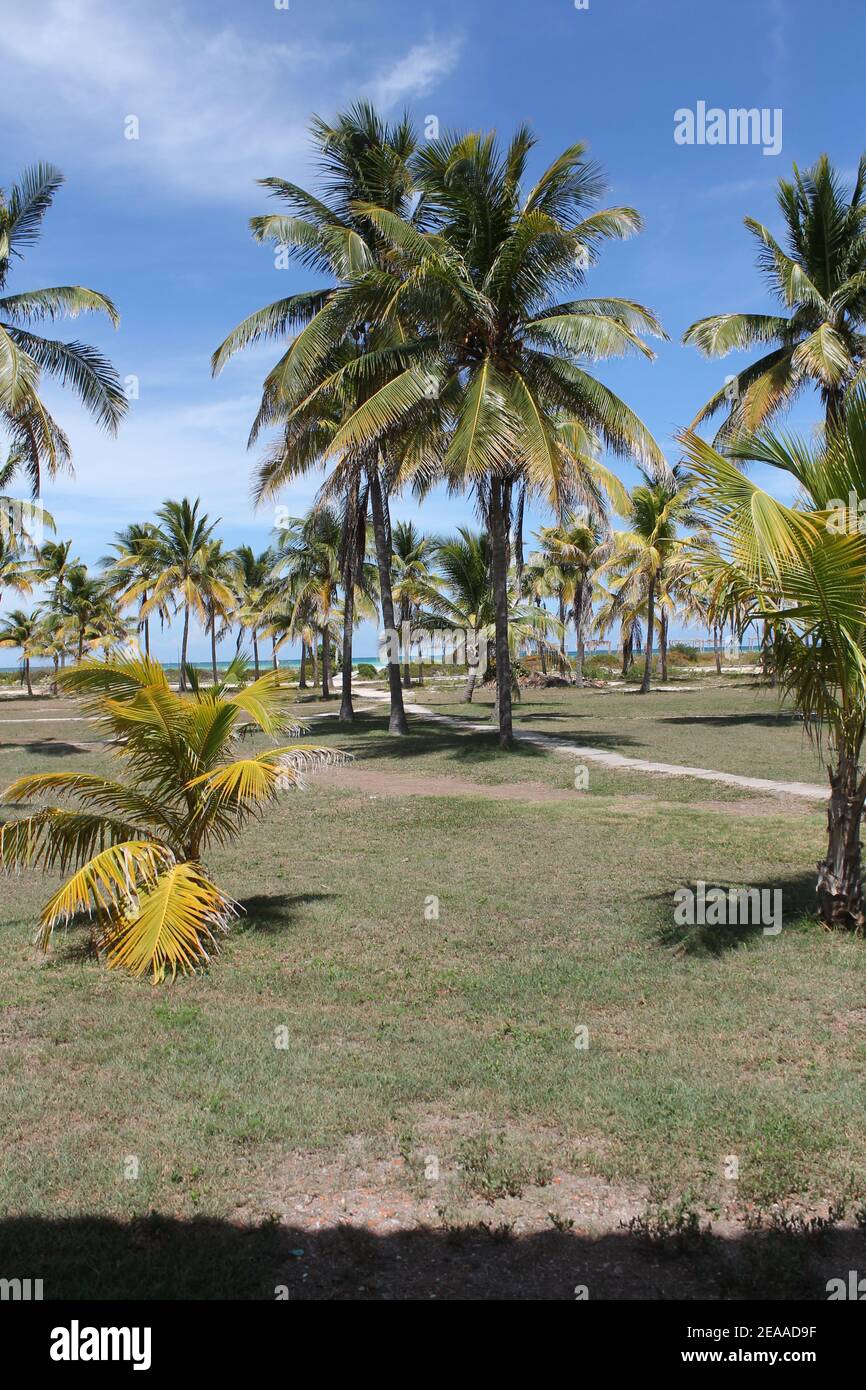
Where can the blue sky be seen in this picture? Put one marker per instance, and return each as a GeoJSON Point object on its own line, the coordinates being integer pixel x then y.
{"type": "Point", "coordinates": [223, 93]}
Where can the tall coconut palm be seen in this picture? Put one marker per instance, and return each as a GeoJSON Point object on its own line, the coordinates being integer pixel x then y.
{"type": "Point", "coordinates": [361, 159]}
{"type": "Point", "coordinates": [218, 569]}
{"type": "Point", "coordinates": [819, 279]}
{"type": "Point", "coordinates": [132, 571]}
{"type": "Point", "coordinates": [412, 578]}
{"type": "Point", "coordinates": [464, 602]}
{"type": "Point", "coordinates": [571, 552]}
{"type": "Point", "coordinates": [250, 581]}
{"type": "Point", "coordinates": [15, 568]}
{"type": "Point", "coordinates": [308, 557]}
{"type": "Point", "coordinates": [21, 630]}
{"type": "Point", "coordinates": [179, 551]}
{"type": "Point", "coordinates": [497, 355]}
{"type": "Point", "coordinates": [137, 848]}
{"type": "Point", "coordinates": [658, 510]}
{"type": "Point", "coordinates": [795, 568]}
{"type": "Point", "coordinates": [39, 442]}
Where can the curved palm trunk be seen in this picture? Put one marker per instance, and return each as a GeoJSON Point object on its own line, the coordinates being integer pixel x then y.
{"type": "Point", "coordinates": [499, 548]}
{"type": "Point", "coordinates": [651, 617]}
{"type": "Point", "coordinates": [397, 723]}
{"type": "Point", "coordinates": [274, 659]}
{"type": "Point", "coordinates": [839, 889]}
{"type": "Point", "coordinates": [302, 683]}
{"type": "Point", "coordinates": [472, 677]}
{"type": "Point", "coordinates": [326, 664]}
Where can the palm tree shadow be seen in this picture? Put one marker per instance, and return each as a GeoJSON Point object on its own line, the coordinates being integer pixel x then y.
{"type": "Point", "coordinates": [715, 939]}
{"type": "Point", "coordinates": [274, 912]}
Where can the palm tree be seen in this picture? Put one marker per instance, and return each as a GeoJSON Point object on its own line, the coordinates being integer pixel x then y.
{"type": "Point", "coordinates": [820, 281]}
{"type": "Point", "coordinates": [362, 159]}
{"type": "Point", "coordinates": [308, 556]}
{"type": "Point", "coordinates": [137, 847]}
{"type": "Point", "coordinates": [464, 601]}
{"type": "Point", "coordinates": [15, 569]}
{"type": "Point", "coordinates": [82, 601]}
{"type": "Point", "coordinates": [795, 569]}
{"type": "Point", "coordinates": [133, 571]}
{"type": "Point", "coordinates": [38, 441]}
{"type": "Point", "coordinates": [571, 552]}
{"type": "Point", "coordinates": [218, 570]}
{"type": "Point", "coordinates": [250, 580]}
{"type": "Point", "coordinates": [21, 630]}
{"type": "Point", "coordinates": [647, 548]}
{"type": "Point", "coordinates": [180, 556]}
{"type": "Point", "coordinates": [412, 578]}
{"type": "Point", "coordinates": [496, 355]}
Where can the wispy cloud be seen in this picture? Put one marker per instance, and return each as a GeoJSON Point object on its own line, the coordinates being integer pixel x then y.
{"type": "Point", "coordinates": [215, 103]}
{"type": "Point", "coordinates": [416, 74]}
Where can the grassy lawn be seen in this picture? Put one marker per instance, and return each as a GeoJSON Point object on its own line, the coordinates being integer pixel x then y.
{"type": "Point", "coordinates": [406, 1036]}
{"type": "Point", "coordinates": [733, 725]}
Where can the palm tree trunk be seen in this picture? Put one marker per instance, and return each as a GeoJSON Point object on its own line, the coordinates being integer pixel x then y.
{"type": "Point", "coordinates": [274, 662]}
{"type": "Point", "coordinates": [717, 649]}
{"type": "Point", "coordinates": [213, 659]}
{"type": "Point", "coordinates": [302, 683]}
{"type": "Point", "coordinates": [326, 663]}
{"type": "Point", "coordinates": [407, 650]}
{"type": "Point", "coordinates": [563, 660]}
{"type": "Point", "coordinates": [146, 629]}
{"type": "Point", "coordinates": [27, 676]}
{"type": "Point", "coordinates": [663, 644]}
{"type": "Point", "coordinates": [397, 723]}
{"type": "Point", "coordinates": [651, 617]}
{"type": "Point", "coordinates": [578, 634]}
{"type": "Point", "coordinates": [518, 537]}
{"type": "Point", "coordinates": [839, 889]}
{"type": "Point", "coordinates": [256, 650]}
{"type": "Point", "coordinates": [54, 680]}
{"type": "Point", "coordinates": [314, 653]}
{"type": "Point", "coordinates": [183, 646]}
{"type": "Point", "coordinates": [499, 547]}
{"type": "Point", "coordinates": [347, 709]}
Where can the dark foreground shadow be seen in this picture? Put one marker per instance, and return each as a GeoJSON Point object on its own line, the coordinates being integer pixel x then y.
{"type": "Point", "coordinates": [160, 1257]}
{"type": "Point", "coordinates": [710, 938]}
{"type": "Point", "coordinates": [274, 912]}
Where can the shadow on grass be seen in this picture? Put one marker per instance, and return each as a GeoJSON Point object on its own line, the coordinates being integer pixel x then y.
{"type": "Point", "coordinates": [161, 1257]}
{"type": "Point", "coordinates": [714, 939]}
{"type": "Point", "coordinates": [47, 749]}
{"type": "Point", "coordinates": [734, 721]}
{"type": "Point", "coordinates": [272, 912]}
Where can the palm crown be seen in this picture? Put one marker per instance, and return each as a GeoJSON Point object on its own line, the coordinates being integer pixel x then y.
{"type": "Point", "coordinates": [37, 439]}
{"type": "Point", "coordinates": [820, 280]}
{"type": "Point", "coordinates": [136, 846]}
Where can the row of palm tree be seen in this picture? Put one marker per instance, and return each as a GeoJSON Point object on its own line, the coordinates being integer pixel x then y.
{"type": "Point", "coordinates": [450, 342]}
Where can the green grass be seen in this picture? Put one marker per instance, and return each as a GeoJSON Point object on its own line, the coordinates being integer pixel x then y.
{"type": "Point", "coordinates": [552, 915]}
{"type": "Point", "coordinates": [734, 726]}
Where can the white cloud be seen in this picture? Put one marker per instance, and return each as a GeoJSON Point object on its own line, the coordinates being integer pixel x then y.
{"type": "Point", "coordinates": [217, 106]}
{"type": "Point", "coordinates": [416, 74]}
